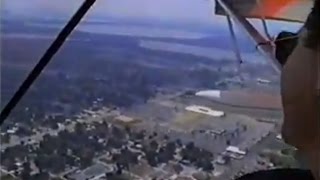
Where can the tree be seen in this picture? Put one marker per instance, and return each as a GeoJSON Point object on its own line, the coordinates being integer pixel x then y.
{"type": "Point", "coordinates": [274, 160]}
{"type": "Point", "coordinates": [119, 169]}
{"type": "Point", "coordinates": [287, 152]}
{"type": "Point", "coordinates": [177, 168]}
{"type": "Point", "coordinates": [171, 147]}
{"type": "Point", "coordinates": [54, 125]}
{"type": "Point", "coordinates": [139, 135]}
{"type": "Point", "coordinates": [207, 165]}
{"type": "Point", "coordinates": [79, 128]}
{"type": "Point", "coordinates": [154, 145]}
{"type": "Point", "coordinates": [41, 176]}
{"type": "Point", "coordinates": [155, 134]}
{"type": "Point", "coordinates": [201, 176]}
{"type": "Point", "coordinates": [228, 142]}
{"type": "Point", "coordinates": [133, 158]}
{"type": "Point", "coordinates": [25, 175]}
{"type": "Point", "coordinates": [86, 157]}
{"type": "Point", "coordinates": [164, 155]}
{"type": "Point", "coordinates": [117, 132]}
{"type": "Point", "coordinates": [190, 146]}
{"type": "Point", "coordinates": [178, 142]}
{"type": "Point", "coordinates": [70, 160]}
{"type": "Point", "coordinates": [46, 146]}
{"type": "Point", "coordinates": [244, 128]}
{"type": "Point", "coordinates": [115, 143]}
{"type": "Point", "coordinates": [5, 138]}
{"type": "Point", "coordinates": [128, 129]}
{"type": "Point", "coordinates": [12, 167]}
{"type": "Point", "coordinates": [58, 163]}
{"type": "Point", "coordinates": [151, 158]}
{"type": "Point", "coordinates": [166, 137]}
{"type": "Point", "coordinates": [227, 159]}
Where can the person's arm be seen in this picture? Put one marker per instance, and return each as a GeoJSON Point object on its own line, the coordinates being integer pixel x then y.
{"type": "Point", "coordinates": [301, 127]}
{"type": "Point", "coordinates": [300, 92]}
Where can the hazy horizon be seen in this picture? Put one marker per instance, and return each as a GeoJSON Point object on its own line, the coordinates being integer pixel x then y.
{"type": "Point", "coordinates": [170, 10]}
{"type": "Point", "coordinates": [174, 11]}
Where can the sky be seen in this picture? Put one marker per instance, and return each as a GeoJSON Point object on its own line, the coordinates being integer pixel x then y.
{"type": "Point", "coordinates": [181, 11]}
{"type": "Point", "coordinates": [175, 10]}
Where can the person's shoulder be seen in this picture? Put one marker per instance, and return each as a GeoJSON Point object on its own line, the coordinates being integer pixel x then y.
{"type": "Point", "coordinates": [279, 174]}
{"type": "Point", "coordinates": [312, 24]}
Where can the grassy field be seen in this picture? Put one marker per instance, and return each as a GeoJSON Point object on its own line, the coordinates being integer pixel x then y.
{"type": "Point", "coordinates": [7, 177]}
{"type": "Point", "coordinates": [188, 120]}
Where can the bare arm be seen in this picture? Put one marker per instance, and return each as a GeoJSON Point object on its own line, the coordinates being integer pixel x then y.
{"type": "Point", "coordinates": [299, 92]}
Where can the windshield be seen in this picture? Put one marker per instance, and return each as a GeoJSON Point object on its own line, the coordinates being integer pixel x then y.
{"type": "Point", "coordinates": [141, 89]}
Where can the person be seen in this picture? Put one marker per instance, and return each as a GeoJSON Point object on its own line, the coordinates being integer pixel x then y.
{"type": "Point", "coordinates": [300, 92]}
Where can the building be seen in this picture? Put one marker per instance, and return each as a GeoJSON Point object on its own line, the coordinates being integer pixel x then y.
{"type": "Point", "coordinates": [217, 132]}
{"type": "Point", "coordinates": [12, 130]}
{"type": "Point", "coordinates": [263, 81]}
{"type": "Point", "coordinates": [205, 110]}
{"type": "Point", "coordinates": [234, 149]}
{"type": "Point", "coordinates": [234, 152]}
{"type": "Point", "coordinates": [279, 137]}
{"type": "Point", "coordinates": [93, 172]}
{"type": "Point", "coordinates": [125, 120]}
{"type": "Point", "coordinates": [209, 93]}
{"type": "Point", "coordinates": [220, 160]}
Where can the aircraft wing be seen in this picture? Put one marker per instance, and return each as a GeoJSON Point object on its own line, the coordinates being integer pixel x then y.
{"type": "Point", "coordinates": [286, 10]}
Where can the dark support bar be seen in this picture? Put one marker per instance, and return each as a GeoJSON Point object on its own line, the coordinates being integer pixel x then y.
{"type": "Point", "coordinates": [51, 51]}
{"type": "Point", "coordinates": [265, 48]}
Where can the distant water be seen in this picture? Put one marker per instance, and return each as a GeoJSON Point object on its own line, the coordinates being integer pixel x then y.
{"type": "Point", "coordinates": [34, 36]}
{"type": "Point", "coordinates": [134, 30]}
{"type": "Point", "coordinates": [207, 52]}
{"type": "Point", "coordinates": [26, 36]}
{"type": "Point", "coordinates": [216, 51]}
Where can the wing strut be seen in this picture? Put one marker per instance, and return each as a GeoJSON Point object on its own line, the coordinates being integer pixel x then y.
{"type": "Point", "coordinates": [46, 58]}
{"type": "Point", "coordinates": [266, 48]}
{"type": "Point", "coordinates": [263, 20]}
{"type": "Point", "coordinates": [235, 45]}
{"type": "Point", "coordinates": [266, 31]}
{"type": "Point", "coordinates": [234, 40]}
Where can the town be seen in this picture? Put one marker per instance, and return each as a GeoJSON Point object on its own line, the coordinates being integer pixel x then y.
{"type": "Point", "coordinates": [196, 142]}
{"type": "Point", "coordinates": [123, 107]}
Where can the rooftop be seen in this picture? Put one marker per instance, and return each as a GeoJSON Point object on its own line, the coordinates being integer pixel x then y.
{"type": "Point", "coordinates": [91, 172]}
{"type": "Point", "coordinates": [205, 110]}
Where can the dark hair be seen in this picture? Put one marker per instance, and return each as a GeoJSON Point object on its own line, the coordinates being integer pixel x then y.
{"type": "Point", "coordinates": [313, 27]}
{"type": "Point", "coordinates": [285, 43]}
